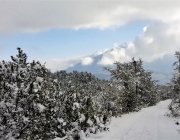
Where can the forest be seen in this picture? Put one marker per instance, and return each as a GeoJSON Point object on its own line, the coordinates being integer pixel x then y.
{"type": "Point", "coordinates": [38, 104]}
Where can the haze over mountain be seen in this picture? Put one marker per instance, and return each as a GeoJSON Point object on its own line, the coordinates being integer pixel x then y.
{"type": "Point", "coordinates": [162, 67]}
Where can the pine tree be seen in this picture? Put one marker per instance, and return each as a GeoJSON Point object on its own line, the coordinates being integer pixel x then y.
{"type": "Point", "coordinates": [81, 112]}
{"type": "Point", "coordinates": [137, 87]}
{"type": "Point", "coordinates": [23, 98]}
{"type": "Point", "coordinates": [175, 88]}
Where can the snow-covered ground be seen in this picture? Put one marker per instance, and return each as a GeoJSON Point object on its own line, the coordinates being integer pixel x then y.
{"type": "Point", "coordinates": [150, 123]}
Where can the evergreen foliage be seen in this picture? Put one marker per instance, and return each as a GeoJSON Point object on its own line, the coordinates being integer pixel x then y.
{"type": "Point", "coordinates": [38, 104]}
{"type": "Point", "coordinates": [34, 105]}
{"type": "Point", "coordinates": [137, 87]}
{"type": "Point", "coordinates": [175, 88]}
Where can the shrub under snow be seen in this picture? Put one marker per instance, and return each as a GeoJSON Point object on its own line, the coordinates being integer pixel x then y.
{"type": "Point", "coordinates": [35, 106]}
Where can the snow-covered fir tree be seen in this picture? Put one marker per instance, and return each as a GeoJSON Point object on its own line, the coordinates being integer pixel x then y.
{"type": "Point", "coordinates": [34, 105]}
{"type": "Point", "coordinates": [175, 88]}
{"type": "Point", "coordinates": [24, 99]}
{"type": "Point", "coordinates": [38, 104]}
{"type": "Point", "coordinates": [137, 87]}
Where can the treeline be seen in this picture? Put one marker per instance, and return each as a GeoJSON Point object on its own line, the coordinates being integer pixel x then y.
{"type": "Point", "coordinates": [38, 104]}
{"type": "Point", "coordinates": [175, 88]}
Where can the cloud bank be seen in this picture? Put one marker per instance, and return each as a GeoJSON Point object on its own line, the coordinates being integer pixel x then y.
{"type": "Point", "coordinates": [40, 15]}
{"type": "Point", "coordinates": [114, 55]}
{"type": "Point", "coordinates": [62, 64]}
{"type": "Point", "coordinates": [87, 61]}
{"type": "Point", "coordinates": [154, 43]}
{"type": "Point", "coordinates": [161, 37]}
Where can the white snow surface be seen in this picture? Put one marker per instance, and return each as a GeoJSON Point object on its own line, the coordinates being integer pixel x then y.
{"type": "Point", "coordinates": [39, 79]}
{"type": "Point", "coordinates": [41, 107]}
{"type": "Point", "coordinates": [150, 123]}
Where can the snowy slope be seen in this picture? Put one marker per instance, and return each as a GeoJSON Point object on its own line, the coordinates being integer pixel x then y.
{"type": "Point", "coordinates": [148, 124]}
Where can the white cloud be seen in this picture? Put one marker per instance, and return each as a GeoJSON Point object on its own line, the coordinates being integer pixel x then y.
{"type": "Point", "coordinates": [145, 28]}
{"type": "Point", "coordinates": [87, 61]}
{"type": "Point", "coordinates": [154, 43]}
{"type": "Point", "coordinates": [159, 38]}
{"type": "Point", "coordinates": [40, 15]}
{"type": "Point", "coordinates": [62, 64]}
{"type": "Point", "coordinates": [113, 55]}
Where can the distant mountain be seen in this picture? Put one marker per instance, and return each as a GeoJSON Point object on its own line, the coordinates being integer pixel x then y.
{"type": "Point", "coordinates": [93, 67]}
{"type": "Point", "coordinates": [162, 68]}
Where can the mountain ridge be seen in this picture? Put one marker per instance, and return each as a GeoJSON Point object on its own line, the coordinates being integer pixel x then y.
{"type": "Point", "coordinates": [162, 68]}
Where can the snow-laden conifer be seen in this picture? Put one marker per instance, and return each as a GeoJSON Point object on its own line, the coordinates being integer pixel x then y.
{"type": "Point", "coordinates": [136, 86]}
{"type": "Point", "coordinates": [175, 88]}
{"type": "Point", "coordinates": [36, 105]}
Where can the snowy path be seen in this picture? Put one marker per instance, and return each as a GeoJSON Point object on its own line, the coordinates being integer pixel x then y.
{"type": "Point", "coordinates": [147, 124]}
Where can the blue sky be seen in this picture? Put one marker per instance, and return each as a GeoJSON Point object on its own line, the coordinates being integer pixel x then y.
{"type": "Point", "coordinates": [64, 43]}
{"type": "Point", "coordinates": [63, 32]}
